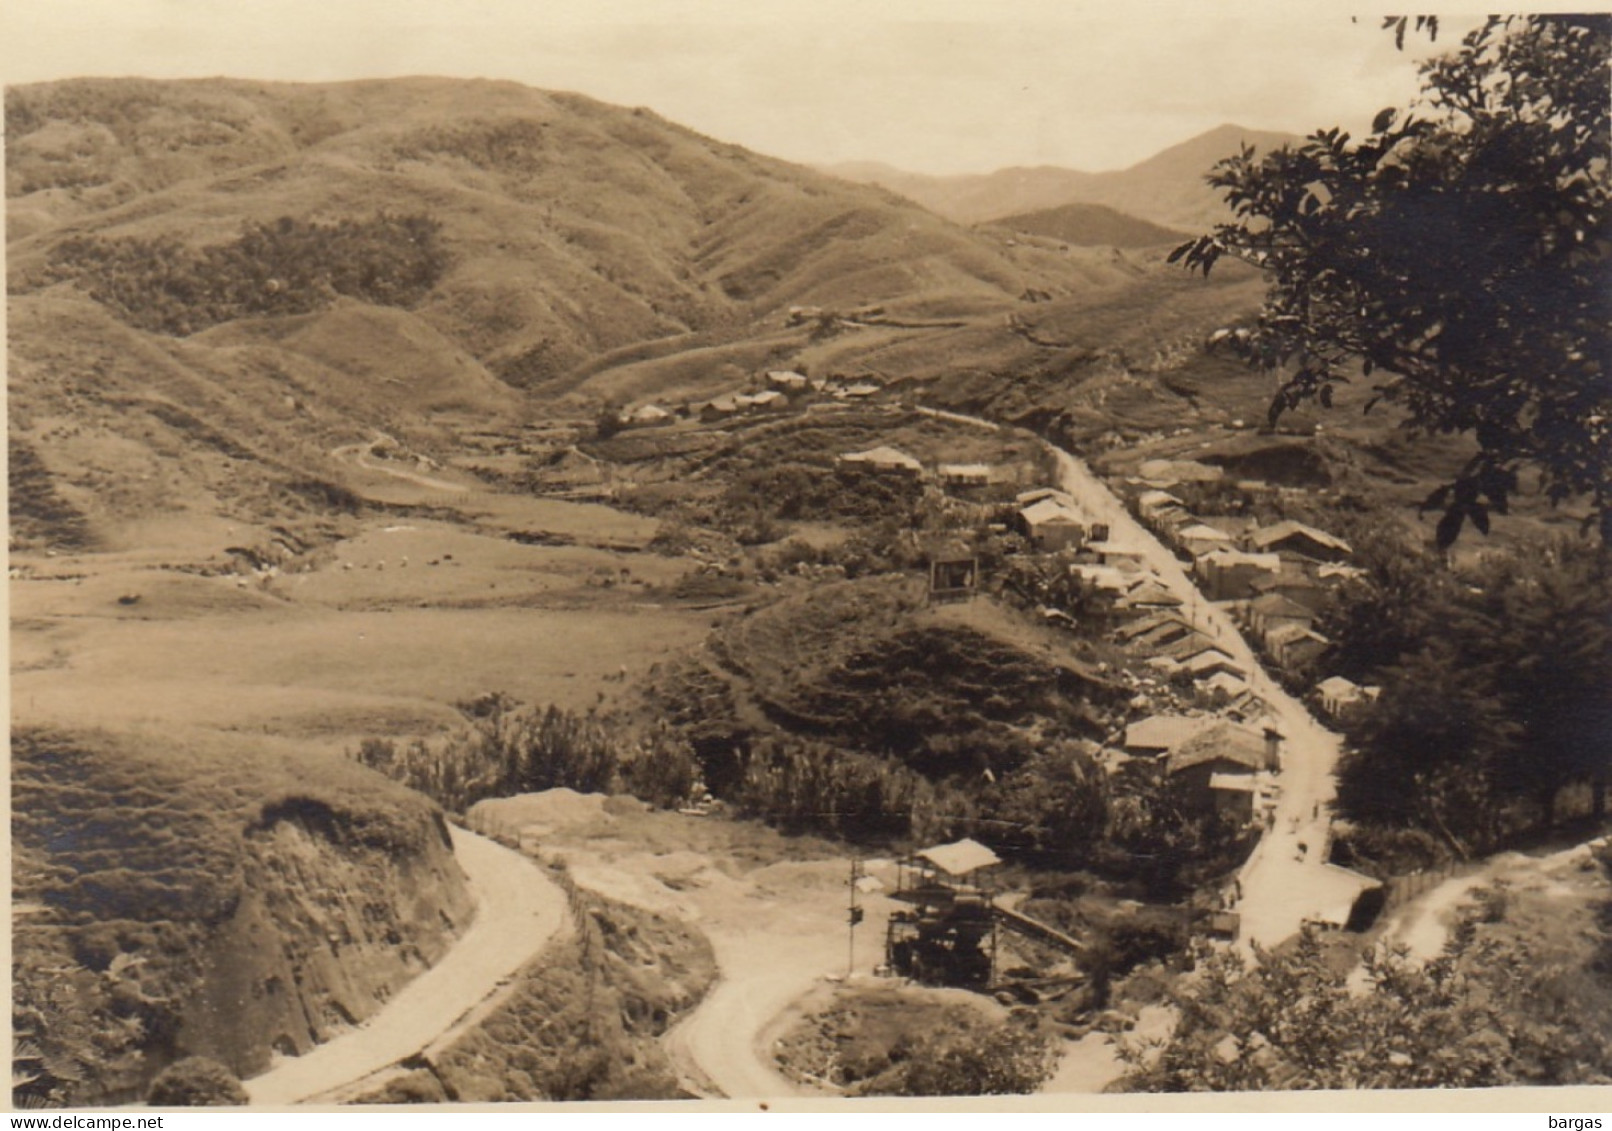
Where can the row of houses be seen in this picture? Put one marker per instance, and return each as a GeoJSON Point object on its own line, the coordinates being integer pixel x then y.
{"type": "Point", "coordinates": [781, 389]}
{"type": "Point", "coordinates": [887, 460]}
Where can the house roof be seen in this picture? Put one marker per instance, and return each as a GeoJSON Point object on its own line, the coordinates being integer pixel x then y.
{"type": "Point", "coordinates": [1221, 739]}
{"type": "Point", "coordinates": [728, 402]}
{"type": "Point", "coordinates": [1025, 498]}
{"type": "Point", "coordinates": [766, 396]}
{"type": "Point", "coordinates": [1210, 660]}
{"type": "Point", "coordinates": [1235, 783]}
{"type": "Point", "coordinates": [1287, 528]}
{"type": "Point", "coordinates": [1276, 605]}
{"type": "Point", "coordinates": [1049, 511]}
{"type": "Point", "coordinates": [1191, 645]}
{"type": "Point", "coordinates": [1203, 532]}
{"type": "Point", "coordinates": [1338, 685]}
{"type": "Point", "coordinates": [1288, 633]}
{"type": "Point", "coordinates": [959, 858]}
{"type": "Point", "coordinates": [1152, 594]}
{"type": "Point", "coordinates": [1157, 498]}
{"type": "Point", "coordinates": [1333, 891]}
{"type": "Point", "coordinates": [966, 469]}
{"type": "Point", "coordinates": [1163, 732]}
{"type": "Point", "coordinates": [1225, 681]}
{"type": "Point", "coordinates": [1106, 577]}
{"type": "Point", "coordinates": [786, 377]}
{"type": "Point", "coordinates": [649, 412]}
{"type": "Point", "coordinates": [1225, 557]}
{"type": "Point", "coordinates": [1167, 635]}
{"type": "Point", "coordinates": [1150, 622]}
{"type": "Point", "coordinates": [883, 456]}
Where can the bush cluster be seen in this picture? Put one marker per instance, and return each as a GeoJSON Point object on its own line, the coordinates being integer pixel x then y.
{"type": "Point", "coordinates": [288, 267]}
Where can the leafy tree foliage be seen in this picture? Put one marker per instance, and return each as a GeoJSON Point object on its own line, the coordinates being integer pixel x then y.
{"type": "Point", "coordinates": [288, 267]}
{"type": "Point", "coordinates": [1460, 249]}
{"type": "Point", "coordinates": [1002, 1060]}
{"type": "Point", "coordinates": [1488, 1012]}
{"type": "Point", "coordinates": [1497, 688]}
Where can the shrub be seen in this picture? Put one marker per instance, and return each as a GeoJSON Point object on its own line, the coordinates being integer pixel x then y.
{"type": "Point", "coordinates": [196, 1081]}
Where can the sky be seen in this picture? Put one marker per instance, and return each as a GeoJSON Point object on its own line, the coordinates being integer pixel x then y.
{"type": "Point", "coordinates": [935, 86]}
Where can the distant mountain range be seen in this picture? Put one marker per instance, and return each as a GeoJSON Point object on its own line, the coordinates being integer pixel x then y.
{"type": "Point", "coordinates": [1167, 189]}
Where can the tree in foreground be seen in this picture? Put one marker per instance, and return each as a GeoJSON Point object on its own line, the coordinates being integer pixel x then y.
{"type": "Point", "coordinates": [1489, 1012]}
{"type": "Point", "coordinates": [1460, 253]}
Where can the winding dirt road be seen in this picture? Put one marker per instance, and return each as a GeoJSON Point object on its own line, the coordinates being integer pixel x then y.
{"type": "Point", "coordinates": [518, 909]}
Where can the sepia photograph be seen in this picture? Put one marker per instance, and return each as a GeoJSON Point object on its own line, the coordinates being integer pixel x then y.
{"type": "Point", "coordinates": [779, 556]}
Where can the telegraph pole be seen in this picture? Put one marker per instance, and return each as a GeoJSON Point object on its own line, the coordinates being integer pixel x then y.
{"type": "Point", "coordinates": [855, 917]}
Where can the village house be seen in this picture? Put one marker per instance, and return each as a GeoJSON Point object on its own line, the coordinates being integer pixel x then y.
{"type": "Point", "coordinates": [1050, 525]}
{"type": "Point", "coordinates": [1150, 596]}
{"type": "Point", "coordinates": [1236, 796]}
{"type": "Point", "coordinates": [720, 408]}
{"type": "Point", "coordinates": [964, 474]}
{"type": "Point", "coordinates": [768, 400]}
{"type": "Point", "coordinates": [1224, 747]}
{"type": "Point", "coordinates": [1297, 538]}
{"type": "Point", "coordinates": [1147, 624]}
{"type": "Point", "coordinates": [787, 381]}
{"type": "Point", "coordinates": [1160, 734]}
{"type": "Point", "coordinates": [648, 416]}
{"type": "Point", "coordinates": [1224, 684]}
{"type": "Point", "coordinates": [1294, 584]}
{"type": "Point", "coordinates": [1294, 646]}
{"type": "Point", "coordinates": [1339, 695]}
{"type": "Point", "coordinates": [1110, 579]}
{"type": "Point", "coordinates": [1272, 611]}
{"type": "Point", "coordinates": [1231, 575]}
{"type": "Point", "coordinates": [861, 391]}
{"type": "Point", "coordinates": [1172, 631]}
{"type": "Point", "coordinates": [1342, 899]}
{"type": "Point", "coordinates": [886, 460]}
{"type": "Point", "coordinates": [1036, 494]}
{"type": "Point", "coordinates": [1198, 539]}
{"type": "Point", "coordinates": [1150, 503]}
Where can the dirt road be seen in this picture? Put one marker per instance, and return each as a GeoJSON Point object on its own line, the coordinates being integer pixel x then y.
{"type": "Point", "coordinates": [518, 909]}
{"type": "Point", "coordinates": [1423, 925]}
{"type": "Point", "coordinates": [358, 453]}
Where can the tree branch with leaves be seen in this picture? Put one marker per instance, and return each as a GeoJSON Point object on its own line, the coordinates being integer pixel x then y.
{"type": "Point", "coordinates": [1458, 254]}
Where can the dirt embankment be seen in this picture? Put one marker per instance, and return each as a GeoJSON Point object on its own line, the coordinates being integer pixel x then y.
{"type": "Point", "coordinates": [187, 895]}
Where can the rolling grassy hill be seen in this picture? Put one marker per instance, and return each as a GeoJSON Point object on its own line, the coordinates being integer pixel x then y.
{"type": "Point", "coordinates": [207, 292]}
{"type": "Point", "coordinates": [1091, 225]}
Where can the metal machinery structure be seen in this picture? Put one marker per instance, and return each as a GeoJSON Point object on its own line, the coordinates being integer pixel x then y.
{"type": "Point", "coordinates": [949, 937]}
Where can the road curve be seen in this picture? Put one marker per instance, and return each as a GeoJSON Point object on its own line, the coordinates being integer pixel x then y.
{"type": "Point", "coordinates": [518, 909]}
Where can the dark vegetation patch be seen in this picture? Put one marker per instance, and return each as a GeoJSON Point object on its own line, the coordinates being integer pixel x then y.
{"type": "Point", "coordinates": [39, 515]}
{"type": "Point", "coordinates": [291, 266]}
{"type": "Point", "coordinates": [890, 1042]}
